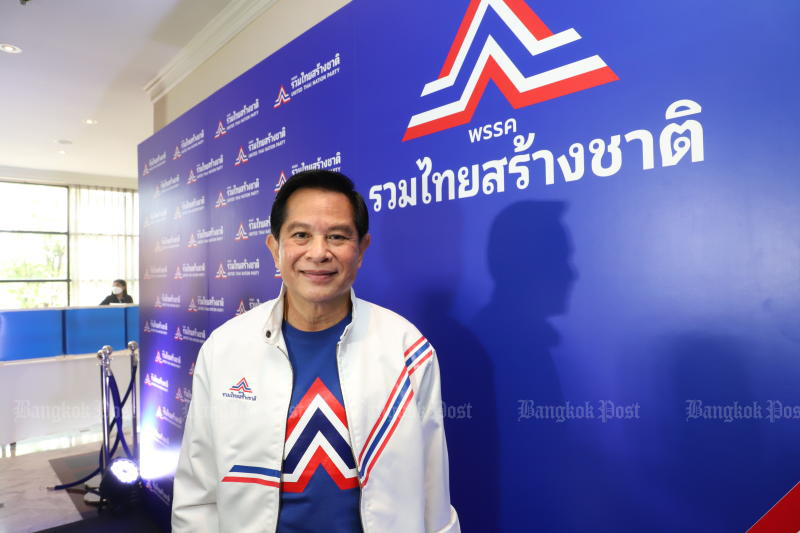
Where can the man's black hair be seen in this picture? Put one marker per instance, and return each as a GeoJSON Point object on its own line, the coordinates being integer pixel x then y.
{"type": "Point", "coordinates": [327, 181]}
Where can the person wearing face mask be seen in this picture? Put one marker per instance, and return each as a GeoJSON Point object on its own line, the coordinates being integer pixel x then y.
{"type": "Point", "coordinates": [119, 294]}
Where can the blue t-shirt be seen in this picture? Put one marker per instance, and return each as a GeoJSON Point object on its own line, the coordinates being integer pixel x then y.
{"type": "Point", "coordinates": [319, 480]}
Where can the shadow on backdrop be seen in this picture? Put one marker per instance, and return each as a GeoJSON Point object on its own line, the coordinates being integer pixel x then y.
{"type": "Point", "coordinates": [529, 253]}
{"type": "Point", "coordinates": [703, 474]}
{"type": "Point", "coordinates": [467, 374]}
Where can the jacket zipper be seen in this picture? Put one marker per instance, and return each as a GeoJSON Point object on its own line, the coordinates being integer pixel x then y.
{"type": "Point", "coordinates": [352, 450]}
{"type": "Point", "coordinates": [283, 447]}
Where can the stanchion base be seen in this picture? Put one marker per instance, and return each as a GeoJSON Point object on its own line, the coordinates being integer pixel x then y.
{"type": "Point", "coordinates": [92, 497]}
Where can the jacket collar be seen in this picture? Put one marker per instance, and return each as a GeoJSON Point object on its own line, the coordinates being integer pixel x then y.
{"type": "Point", "coordinates": [272, 327]}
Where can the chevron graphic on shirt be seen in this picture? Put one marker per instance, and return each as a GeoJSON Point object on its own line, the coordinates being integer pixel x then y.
{"type": "Point", "coordinates": [317, 435]}
{"type": "Point", "coordinates": [494, 64]}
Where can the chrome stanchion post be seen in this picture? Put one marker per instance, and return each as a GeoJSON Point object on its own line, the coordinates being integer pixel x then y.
{"type": "Point", "coordinates": [104, 360]}
{"type": "Point", "coordinates": [134, 348]}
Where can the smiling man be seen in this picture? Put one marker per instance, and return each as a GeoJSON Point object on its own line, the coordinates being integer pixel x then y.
{"type": "Point", "coordinates": [315, 411]}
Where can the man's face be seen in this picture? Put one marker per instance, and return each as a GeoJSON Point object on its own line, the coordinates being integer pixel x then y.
{"type": "Point", "coordinates": [319, 252]}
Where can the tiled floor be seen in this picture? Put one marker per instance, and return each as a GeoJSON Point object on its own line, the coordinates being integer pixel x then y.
{"type": "Point", "coordinates": [25, 474]}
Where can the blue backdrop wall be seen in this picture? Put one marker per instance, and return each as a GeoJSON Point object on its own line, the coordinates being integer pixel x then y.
{"type": "Point", "coordinates": [589, 208]}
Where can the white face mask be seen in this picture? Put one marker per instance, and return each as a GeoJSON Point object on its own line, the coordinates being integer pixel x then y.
{"type": "Point", "coordinates": [116, 290]}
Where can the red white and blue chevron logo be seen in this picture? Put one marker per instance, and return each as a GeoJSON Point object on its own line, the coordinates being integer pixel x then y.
{"type": "Point", "coordinates": [416, 356]}
{"type": "Point", "coordinates": [317, 436]}
{"type": "Point", "coordinates": [241, 158]}
{"type": "Point", "coordinates": [241, 386]}
{"type": "Point", "coordinates": [281, 181]}
{"type": "Point", "coordinates": [494, 64]}
{"type": "Point", "coordinates": [220, 130]}
{"type": "Point", "coordinates": [283, 98]}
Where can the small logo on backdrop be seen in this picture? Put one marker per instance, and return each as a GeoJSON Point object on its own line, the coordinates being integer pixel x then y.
{"type": "Point", "coordinates": [191, 178]}
{"type": "Point", "coordinates": [258, 226]}
{"type": "Point", "coordinates": [241, 234]}
{"type": "Point", "coordinates": [158, 437]}
{"type": "Point", "coordinates": [155, 272]}
{"type": "Point", "coordinates": [169, 300]}
{"type": "Point", "coordinates": [241, 158]}
{"type": "Point", "coordinates": [190, 270]}
{"type": "Point", "coordinates": [192, 241]}
{"type": "Point", "coordinates": [283, 98]}
{"type": "Point", "coordinates": [183, 395]}
{"type": "Point", "coordinates": [187, 207]}
{"type": "Point", "coordinates": [322, 71]}
{"type": "Point", "coordinates": [168, 242]}
{"type": "Point", "coordinates": [160, 493]}
{"type": "Point", "coordinates": [246, 189]}
{"type": "Point", "coordinates": [215, 164]}
{"type": "Point", "coordinates": [191, 369]}
{"type": "Point", "coordinates": [241, 309]}
{"type": "Point", "coordinates": [192, 306]}
{"type": "Point", "coordinates": [208, 235]}
{"type": "Point", "coordinates": [332, 162]}
{"type": "Point", "coordinates": [240, 116]}
{"type": "Point", "coordinates": [220, 201]}
{"type": "Point", "coordinates": [192, 141]}
{"type": "Point", "coordinates": [268, 142]}
{"type": "Point", "coordinates": [220, 130]}
{"type": "Point", "coordinates": [210, 303]}
{"type": "Point", "coordinates": [167, 184]}
{"type": "Point", "coordinates": [154, 162]}
{"type": "Point", "coordinates": [162, 413]}
{"type": "Point", "coordinates": [240, 391]}
{"type": "Point", "coordinates": [187, 333]}
{"type": "Point", "coordinates": [281, 181]}
{"type": "Point", "coordinates": [156, 326]}
{"type": "Point", "coordinates": [153, 380]}
{"type": "Point", "coordinates": [163, 357]}
{"type": "Point", "coordinates": [494, 64]}
{"type": "Point", "coordinates": [239, 268]}
{"type": "Point", "coordinates": [177, 154]}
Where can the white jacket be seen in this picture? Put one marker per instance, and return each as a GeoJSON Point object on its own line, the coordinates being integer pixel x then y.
{"type": "Point", "coordinates": [389, 378]}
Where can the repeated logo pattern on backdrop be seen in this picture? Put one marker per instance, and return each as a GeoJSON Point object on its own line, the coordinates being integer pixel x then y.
{"type": "Point", "coordinates": [578, 205]}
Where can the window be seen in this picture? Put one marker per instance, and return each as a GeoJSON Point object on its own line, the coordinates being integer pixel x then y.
{"type": "Point", "coordinates": [65, 245]}
{"type": "Point", "coordinates": [34, 262]}
{"type": "Point", "coordinates": [104, 242]}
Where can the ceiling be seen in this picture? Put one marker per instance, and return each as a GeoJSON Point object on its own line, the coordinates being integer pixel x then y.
{"type": "Point", "coordinates": [87, 59]}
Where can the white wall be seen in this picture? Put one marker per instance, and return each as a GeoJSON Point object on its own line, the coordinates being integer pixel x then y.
{"type": "Point", "coordinates": [58, 177]}
{"type": "Point", "coordinates": [281, 23]}
{"type": "Point", "coordinates": [55, 395]}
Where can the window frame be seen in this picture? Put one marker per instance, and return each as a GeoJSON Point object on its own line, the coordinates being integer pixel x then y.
{"type": "Point", "coordinates": [68, 280]}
